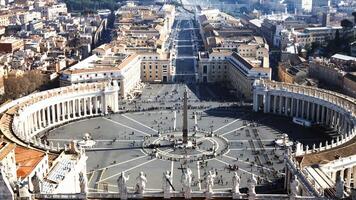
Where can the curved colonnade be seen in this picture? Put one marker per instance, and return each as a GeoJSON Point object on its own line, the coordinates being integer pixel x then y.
{"type": "Point", "coordinates": [321, 107]}
{"type": "Point", "coordinates": [41, 111]}
{"type": "Point", "coordinates": [24, 118]}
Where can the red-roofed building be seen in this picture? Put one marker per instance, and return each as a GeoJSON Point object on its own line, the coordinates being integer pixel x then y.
{"type": "Point", "coordinates": [29, 162]}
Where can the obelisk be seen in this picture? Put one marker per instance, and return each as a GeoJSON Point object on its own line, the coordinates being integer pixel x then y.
{"type": "Point", "coordinates": [185, 118]}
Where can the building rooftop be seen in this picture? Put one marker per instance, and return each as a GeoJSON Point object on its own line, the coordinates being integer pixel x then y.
{"type": "Point", "coordinates": [26, 160]}
{"type": "Point", "coordinates": [344, 57]}
{"type": "Point", "coordinates": [9, 40]}
{"type": "Point", "coordinates": [96, 63]}
{"type": "Point", "coordinates": [5, 149]}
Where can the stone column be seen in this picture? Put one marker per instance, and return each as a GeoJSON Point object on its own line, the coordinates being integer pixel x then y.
{"type": "Point", "coordinates": [280, 105]}
{"type": "Point", "coordinates": [342, 174]}
{"type": "Point", "coordinates": [342, 124]}
{"type": "Point", "coordinates": [286, 106]}
{"type": "Point", "coordinates": [297, 110]}
{"type": "Point", "coordinates": [73, 108]}
{"type": "Point", "coordinates": [255, 102]}
{"type": "Point", "coordinates": [58, 112]}
{"type": "Point", "coordinates": [104, 104]}
{"type": "Point", "coordinates": [266, 102]}
{"type": "Point", "coordinates": [31, 123]}
{"type": "Point", "coordinates": [292, 107]}
{"type": "Point", "coordinates": [348, 178]}
{"type": "Point", "coordinates": [335, 119]}
{"type": "Point", "coordinates": [308, 110]}
{"type": "Point", "coordinates": [28, 120]}
{"type": "Point", "coordinates": [274, 103]}
{"type": "Point", "coordinates": [48, 115]}
{"type": "Point", "coordinates": [323, 114]}
{"type": "Point", "coordinates": [67, 109]}
{"type": "Point", "coordinates": [25, 127]}
{"type": "Point", "coordinates": [333, 176]}
{"type": "Point", "coordinates": [96, 105]}
{"type": "Point", "coordinates": [53, 114]}
{"type": "Point", "coordinates": [43, 118]}
{"type": "Point", "coordinates": [80, 107]}
{"type": "Point", "coordinates": [91, 106]}
{"type": "Point", "coordinates": [85, 104]}
{"type": "Point", "coordinates": [313, 112]}
{"type": "Point", "coordinates": [36, 120]}
{"type": "Point", "coordinates": [330, 113]}
{"type": "Point", "coordinates": [63, 110]}
{"type": "Point", "coordinates": [303, 109]}
{"type": "Point", "coordinates": [317, 112]}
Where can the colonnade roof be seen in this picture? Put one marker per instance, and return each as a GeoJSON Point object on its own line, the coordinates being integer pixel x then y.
{"type": "Point", "coordinates": [341, 151]}
{"type": "Point", "coordinates": [345, 100]}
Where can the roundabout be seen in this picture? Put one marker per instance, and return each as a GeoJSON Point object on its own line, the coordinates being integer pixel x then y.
{"type": "Point", "coordinates": [200, 146]}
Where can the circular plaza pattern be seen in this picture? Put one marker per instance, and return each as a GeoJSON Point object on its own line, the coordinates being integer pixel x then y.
{"type": "Point", "coordinates": [225, 135]}
{"type": "Point", "coordinates": [145, 136]}
{"type": "Point", "coordinates": [201, 146]}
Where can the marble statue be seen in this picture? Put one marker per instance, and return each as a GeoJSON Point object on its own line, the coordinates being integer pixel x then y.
{"type": "Point", "coordinates": [209, 184]}
{"type": "Point", "coordinates": [23, 191]}
{"type": "Point", "coordinates": [36, 183]}
{"type": "Point", "coordinates": [83, 183]}
{"type": "Point", "coordinates": [122, 185]}
{"type": "Point", "coordinates": [141, 183]}
{"type": "Point", "coordinates": [210, 181]}
{"type": "Point", "coordinates": [236, 183]}
{"type": "Point", "coordinates": [166, 184]}
{"type": "Point", "coordinates": [251, 187]}
{"type": "Point", "coordinates": [187, 183]}
{"type": "Point", "coordinates": [294, 187]}
{"type": "Point", "coordinates": [339, 187]}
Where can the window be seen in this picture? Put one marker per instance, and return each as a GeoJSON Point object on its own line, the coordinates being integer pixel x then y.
{"type": "Point", "coordinates": [104, 74]}
{"type": "Point", "coordinates": [144, 67]}
{"type": "Point", "coordinates": [156, 66]}
{"type": "Point", "coordinates": [150, 66]}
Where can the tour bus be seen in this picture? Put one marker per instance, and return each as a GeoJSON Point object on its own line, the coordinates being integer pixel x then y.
{"type": "Point", "coordinates": [302, 122]}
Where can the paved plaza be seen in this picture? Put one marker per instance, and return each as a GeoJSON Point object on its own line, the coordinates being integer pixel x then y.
{"type": "Point", "coordinates": [249, 137]}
